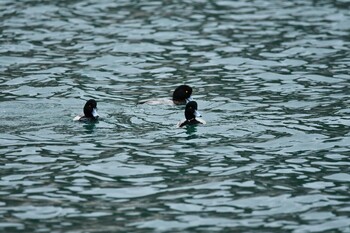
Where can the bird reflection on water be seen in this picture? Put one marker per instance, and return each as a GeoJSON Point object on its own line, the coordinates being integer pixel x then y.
{"type": "Point", "coordinates": [191, 131]}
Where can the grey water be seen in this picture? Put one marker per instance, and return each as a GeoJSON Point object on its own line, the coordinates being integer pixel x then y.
{"type": "Point", "coordinates": [271, 79]}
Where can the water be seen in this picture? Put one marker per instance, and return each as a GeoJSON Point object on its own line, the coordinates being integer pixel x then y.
{"type": "Point", "coordinates": [271, 79]}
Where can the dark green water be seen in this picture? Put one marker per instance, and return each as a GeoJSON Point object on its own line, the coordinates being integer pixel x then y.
{"type": "Point", "coordinates": [271, 79]}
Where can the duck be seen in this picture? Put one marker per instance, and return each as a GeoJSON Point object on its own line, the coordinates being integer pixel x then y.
{"type": "Point", "coordinates": [191, 114]}
{"type": "Point", "coordinates": [90, 112]}
{"type": "Point", "coordinates": [181, 96]}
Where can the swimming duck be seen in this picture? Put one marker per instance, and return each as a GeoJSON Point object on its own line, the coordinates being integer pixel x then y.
{"type": "Point", "coordinates": [181, 95]}
{"type": "Point", "coordinates": [191, 115]}
{"type": "Point", "coordinates": [90, 112]}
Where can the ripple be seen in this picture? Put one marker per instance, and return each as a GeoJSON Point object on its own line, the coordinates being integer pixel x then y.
{"type": "Point", "coordinates": [42, 212]}
{"type": "Point", "coordinates": [344, 177]}
{"type": "Point", "coordinates": [270, 78]}
{"type": "Point", "coordinates": [119, 169]}
{"type": "Point", "coordinates": [131, 192]}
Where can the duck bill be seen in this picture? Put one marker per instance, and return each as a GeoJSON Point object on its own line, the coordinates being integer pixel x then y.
{"type": "Point", "coordinates": [189, 99]}
{"type": "Point", "coordinates": [197, 114]}
{"type": "Point", "coordinates": [94, 113]}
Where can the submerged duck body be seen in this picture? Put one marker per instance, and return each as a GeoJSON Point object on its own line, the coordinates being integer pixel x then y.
{"type": "Point", "coordinates": [181, 95]}
{"type": "Point", "coordinates": [191, 115]}
{"type": "Point", "coordinates": [90, 112]}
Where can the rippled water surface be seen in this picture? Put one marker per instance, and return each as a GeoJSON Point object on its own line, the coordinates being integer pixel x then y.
{"type": "Point", "coordinates": [271, 79]}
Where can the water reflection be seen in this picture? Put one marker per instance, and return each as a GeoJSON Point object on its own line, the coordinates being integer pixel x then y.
{"type": "Point", "coordinates": [191, 131]}
{"type": "Point", "coordinates": [90, 127]}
